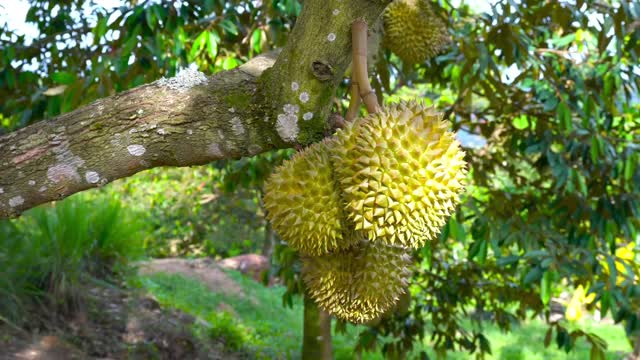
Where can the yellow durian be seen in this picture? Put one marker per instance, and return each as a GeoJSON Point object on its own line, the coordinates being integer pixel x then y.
{"type": "Point", "coordinates": [358, 284]}
{"type": "Point", "coordinates": [400, 171]}
{"type": "Point", "coordinates": [412, 30]}
{"type": "Point", "coordinates": [304, 204]}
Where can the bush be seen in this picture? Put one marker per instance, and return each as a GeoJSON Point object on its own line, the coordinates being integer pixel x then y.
{"type": "Point", "coordinates": [189, 214]}
{"type": "Point", "coordinates": [49, 251]}
{"type": "Point", "coordinates": [227, 327]}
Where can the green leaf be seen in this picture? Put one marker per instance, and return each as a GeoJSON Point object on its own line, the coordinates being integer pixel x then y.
{"type": "Point", "coordinates": [457, 230]}
{"type": "Point", "coordinates": [545, 287]}
{"type": "Point", "coordinates": [485, 346]}
{"type": "Point", "coordinates": [535, 254]}
{"type": "Point", "coordinates": [212, 43]}
{"type": "Point", "coordinates": [229, 27]}
{"type": "Point", "coordinates": [63, 77]}
{"type": "Point", "coordinates": [629, 167]}
{"type": "Point", "coordinates": [230, 63]}
{"type": "Point", "coordinates": [546, 262]}
{"type": "Point", "coordinates": [547, 337]}
{"type": "Point", "coordinates": [613, 272]}
{"type": "Point", "coordinates": [99, 30]}
{"type": "Point", "coordinates": [521, 122]}
{"type": "Point", "coordinates": [198, 45]}
{"type": "Point", "coordinates": [150, 17]}
{"type": "Point", "coordinates": [563, 339]}
{"type": "Point", "coordinates": [594, 149]}
{"type": "Point", "coordinates": [563, 114]}
{"type": "Point", "coordinates": [482, 254]}
{"type": "Point", "coordinates": [478, 250]}
{"type": "Point", "coordinates": [507, 260]}
{"type": "Point", "coordinates": [532, 276]}
{"type": "Point", "coordinates": [256, 41]}
{"type": "Point", "coordinates": [608, 86]}
{"type": "Point", "coordinates": [563, 41]}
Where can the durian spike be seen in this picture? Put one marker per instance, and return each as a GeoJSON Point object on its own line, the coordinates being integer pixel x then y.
{"type": "Point", "coordinates": [359, 69]}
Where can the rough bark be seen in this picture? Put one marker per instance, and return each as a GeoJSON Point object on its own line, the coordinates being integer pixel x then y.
{"type": "Point", "coordinates": [269, 240]}
{"type": "Point", "coordinates": [316, 342]}
{"type": "Point", "coordinates": [190, 119]}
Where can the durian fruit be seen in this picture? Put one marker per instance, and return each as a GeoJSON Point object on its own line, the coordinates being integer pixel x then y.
{"type": "Point", "coordinates": [358, 284]}
{"type": "Point", "coordinates": [401, 172]}
{"type": "Point", "coordinates": [304, 204]}
{"type": "Point", "coordinates": [413, 31]}
{"type": "Point", "coordinates": [401, 308]}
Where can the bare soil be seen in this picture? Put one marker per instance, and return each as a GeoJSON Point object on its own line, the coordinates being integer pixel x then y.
{"type": "Point", "coordinates": [204, 270]}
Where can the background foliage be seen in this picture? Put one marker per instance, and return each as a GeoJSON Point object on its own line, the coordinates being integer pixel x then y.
{"type": "Point", "coordinates": [544, 95]}
{"type": "Point", "coordinates": [553, 89]}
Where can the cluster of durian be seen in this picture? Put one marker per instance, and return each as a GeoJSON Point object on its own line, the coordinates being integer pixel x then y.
{"type": "Point", "coordinates": [413, 31]}
{"type": "Point", "coordinates": [356, 204]}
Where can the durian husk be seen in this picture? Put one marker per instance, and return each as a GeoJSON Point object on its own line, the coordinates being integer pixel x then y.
{"type": "Point", "coordinates": [304, 205]}
{"type": "Point", "coordinates": [401, 171]}
{"type": "Point", "coordinates": [358, 284]}
{"type": "Point", "coordinates": [413, 31]}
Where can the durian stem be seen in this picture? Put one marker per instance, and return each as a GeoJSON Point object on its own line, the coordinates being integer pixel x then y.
{"type": "Point", "coordinates": [359, 67]}
{"type": "Point", "coordinates": [354, 102]}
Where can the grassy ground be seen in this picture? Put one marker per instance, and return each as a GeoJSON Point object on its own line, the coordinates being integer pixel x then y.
{"type": "Point", "coordinates": [527, 343]}
{"type": "Point", "coordinates": [258, 322]}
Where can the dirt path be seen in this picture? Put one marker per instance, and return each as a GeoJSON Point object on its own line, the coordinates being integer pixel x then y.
{"type": "Point", "coordinates": [203, 270]}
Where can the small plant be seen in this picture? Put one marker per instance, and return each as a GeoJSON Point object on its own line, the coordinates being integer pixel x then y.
{"type": "Point", "coordinates": [225, 326]}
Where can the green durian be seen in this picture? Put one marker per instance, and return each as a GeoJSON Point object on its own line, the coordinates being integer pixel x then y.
{"type": "Point", "coordinates": [304, 205]}
{"type": "Point", "coordinates": [358, 284]}
{"type": "Point", "coordinates": [412, 30]}
{"type": "Point", "coordinates": [400, 171]}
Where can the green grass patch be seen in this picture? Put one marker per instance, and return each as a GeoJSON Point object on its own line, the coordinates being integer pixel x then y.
{"type": "Point", "coordinates": [261, 325]}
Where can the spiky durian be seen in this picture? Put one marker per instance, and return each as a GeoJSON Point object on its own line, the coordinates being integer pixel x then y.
{"type": "Point", "coordinates": [400, 171]}
{"type": "Point", "coordinates": [413, 31]}
{"type": "Point", "coordinates": [358, 284]}
{"type": "Point", "coordinates": [304, 204]}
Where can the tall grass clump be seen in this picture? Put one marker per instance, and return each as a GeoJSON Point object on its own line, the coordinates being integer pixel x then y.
{"type": "Point", "coordinates": [49, 252]}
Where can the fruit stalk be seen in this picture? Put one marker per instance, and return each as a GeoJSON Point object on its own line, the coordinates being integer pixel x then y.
{"type": "Point", "coordinates": [360, 72]}
{"type": "Point", "coordinates": [354, 102]}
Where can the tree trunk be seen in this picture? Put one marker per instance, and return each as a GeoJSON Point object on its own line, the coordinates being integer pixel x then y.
{"type": "Point", "coordinates": [190, 119]}
{"type": "Point", "coordinates": [317, 333]}
{"type": "Point", "coordinates": [635, 354]}
{"type": "Point", "coordinates": [269, 239]}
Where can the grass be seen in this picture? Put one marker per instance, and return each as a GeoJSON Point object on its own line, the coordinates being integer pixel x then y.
{"type": "Point", "coordinates": [527, 343]}
{"type": "Point", "coordinates": [262, 325]}
{"type": "Point", "coordinates": [46, 253]}
{"type": "Point", "coordinates": [268, 330]}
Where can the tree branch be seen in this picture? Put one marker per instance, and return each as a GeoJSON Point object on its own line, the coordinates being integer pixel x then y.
{"type": "Point", "coordinates": [189, 119]}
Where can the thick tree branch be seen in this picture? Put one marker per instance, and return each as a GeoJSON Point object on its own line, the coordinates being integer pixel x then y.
{"type": "Point", "coordinates": [190, 119]}
{"type": "Point", "coordinates": [187, 120]}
